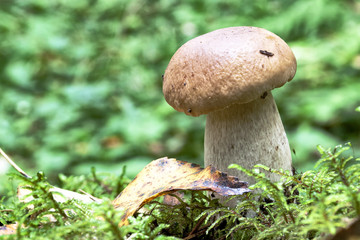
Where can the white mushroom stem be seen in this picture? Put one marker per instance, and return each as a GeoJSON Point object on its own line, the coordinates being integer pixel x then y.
{"type": "Point", "coordinates": [247, 134]}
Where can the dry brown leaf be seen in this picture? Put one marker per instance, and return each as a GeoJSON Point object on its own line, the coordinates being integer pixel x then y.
{"type": "Point", "coordinates": [164, 176]}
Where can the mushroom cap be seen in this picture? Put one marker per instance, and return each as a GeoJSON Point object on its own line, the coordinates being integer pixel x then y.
{"type": "Point", "coordinates": [227, 66]}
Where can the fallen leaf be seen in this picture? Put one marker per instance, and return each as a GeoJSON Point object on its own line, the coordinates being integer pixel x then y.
{"type": "Point", "coordinates": [61, 195]}
{"type": "Point", "coordinates": [164, 176]}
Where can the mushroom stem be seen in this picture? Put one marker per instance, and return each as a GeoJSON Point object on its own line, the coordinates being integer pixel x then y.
{"type": "Point", "coordinates": [247, 134]}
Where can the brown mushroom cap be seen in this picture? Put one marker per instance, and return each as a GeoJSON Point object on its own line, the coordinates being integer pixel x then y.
{"type": "Point", "coordinates": [226, 66]}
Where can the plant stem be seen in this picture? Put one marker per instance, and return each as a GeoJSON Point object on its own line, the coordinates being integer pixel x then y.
{"type": "Point", "coordinates": [13, 164]}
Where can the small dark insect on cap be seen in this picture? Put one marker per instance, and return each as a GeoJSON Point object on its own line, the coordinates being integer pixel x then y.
{"type": "Point", "coordinates": [269, 54]}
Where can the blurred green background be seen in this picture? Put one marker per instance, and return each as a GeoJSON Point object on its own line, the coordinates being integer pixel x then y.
{"type": "Point", "coordinates": [81, 80]}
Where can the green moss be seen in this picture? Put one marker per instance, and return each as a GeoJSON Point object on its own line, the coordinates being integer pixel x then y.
{"type": "Point", "coordinates": [303, 206]}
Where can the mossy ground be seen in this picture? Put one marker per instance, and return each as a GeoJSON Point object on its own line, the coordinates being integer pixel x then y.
{"type": "Point", "coordinates": [308, 205]}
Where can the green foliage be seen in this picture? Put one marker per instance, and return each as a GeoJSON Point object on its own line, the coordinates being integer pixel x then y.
{"type": "Point", "coordinates": [304, 206]}
{"type": "Point", "coordinates": [45, 218]}
{"type": "Point", "coordinates": [308, 205]}
{"type": "Point", "coordinates": [97, 184]}
{"type": "Point", "coordinates": [81, 80]}
{"type": "Point", "coordinates": [81, 87]}
{"type": "Point", "coordinates": [182, 217]}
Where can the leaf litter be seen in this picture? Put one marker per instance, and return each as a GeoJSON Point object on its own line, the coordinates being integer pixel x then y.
{"type": "Point", "coordinates": [160, 177]}
{"type": "Point", "coordinates": [164, 176]}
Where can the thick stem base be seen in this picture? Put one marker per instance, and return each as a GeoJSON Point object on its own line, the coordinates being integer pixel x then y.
{"type": "Point", "coordinates": [247, 134]}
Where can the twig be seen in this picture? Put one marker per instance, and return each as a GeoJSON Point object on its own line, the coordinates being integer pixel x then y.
{"type": "Point", "coordinates": [198, 224]}
{"type": "Point", "coordinates": [17, 168]}
{"type": "Point", "coordinates": [200, 231]}
{"type": "Point", "coordinates": [95, 199]}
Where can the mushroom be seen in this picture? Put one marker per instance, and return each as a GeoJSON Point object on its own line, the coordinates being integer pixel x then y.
{"type": "Point", "coordinates": [228, 74]}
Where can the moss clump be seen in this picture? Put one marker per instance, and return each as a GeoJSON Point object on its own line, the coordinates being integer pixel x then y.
{"type": "Point", "coordinates": [304, 206]}
{"type": "Point", "coordinates": [308, 205]}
